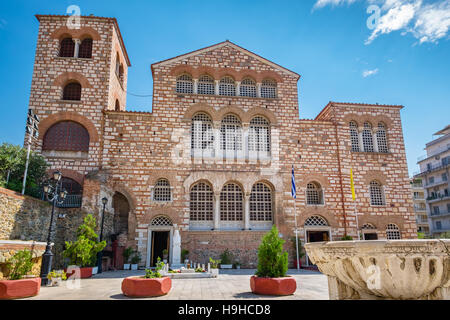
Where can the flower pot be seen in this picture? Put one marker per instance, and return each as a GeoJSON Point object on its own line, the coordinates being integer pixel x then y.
{"type": "Point", "coordinates": [134, 267]}
{"type": "Point", "coordinates": [273, 286]}
{"type": "Point", "coordinates": [16, 289]}
{"type": "Point", "coordinates": [238, 267]}
{"type": "Point", "coordinates": [94, 270]}
{"type": "Point", "coordinates": [55, 282]}
{"type": "Point", "coordinates": [139, 287]}
{"type": "Point", "coordinates": [226, 266]}
{"type": "Point", "coordinates": [84, 273]}
{"type": "Point", "coordinates": [126, 266]}
{"type": "Point", "coordinates": [215, 273]}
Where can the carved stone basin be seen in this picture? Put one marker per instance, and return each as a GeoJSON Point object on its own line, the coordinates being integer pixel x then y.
{"type": "Point", "coordinates": [384, 269]}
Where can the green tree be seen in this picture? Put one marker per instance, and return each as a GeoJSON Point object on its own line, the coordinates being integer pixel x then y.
{"type": "Point", "coordinates": [272, 259]}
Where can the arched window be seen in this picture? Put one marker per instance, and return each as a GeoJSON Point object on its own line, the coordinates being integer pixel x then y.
{"type": "Point", "coordinates": [85, 50]}
{"type": "Point", "coordinates": [227, 87]}
{"type": "Point", "coordinates": [393, 232]}
{"type": "Point", "coordinates": [117, 64]}
{"type": "Point", "coordinates": [185, 84]}
{"type": "Point", "coordinates": [231, 203]}
{"type": "Point", "coordinates": [231, 133]}
{"type": "Point", "coordinates": [367, 137]}
{"type": "Point", "coordinates": [376, 194]}
{"type": "Point", "coordinates": [117, 108]}
{"type": "Point", "coordinates": [160, 221]}
{"type": "Point", "coordinates": [248, 88]}
{"type": "Point", "coordinates": [71, 186]}
{"type": "Point", "coordinates": [381, 138]}
{"type": "Point", "coordinates": [66, 136]}
{"type": "Point", "coordinates": [368, 226]}
{"type": "Point", "coordinates": [201, 205]}
{"type": "Point", "coordinates": [206, 85]}
{"type": "Point", "coordinates": [121, 74]}
{"type": "Point", "coordinates": [202, 136]}
{"type": "Point", "coordinates": [268, 89]}
{"type": "Point", "coordinates": [314, 194]}
{"type": "Point", "coordinates": [259, 135]}
{"type": "Point", "coordinates": [354, 136]}
{"type": "Point", "coordinates": [162, 192]}
{"type": "Point", "coordinates": [316, 221]}
{"type": "Point", "coordinates": [72, 91]}
{"type": "Point", "coordinates": [67, 48]}
{"type": "Point", "coordinates": [261, 206]}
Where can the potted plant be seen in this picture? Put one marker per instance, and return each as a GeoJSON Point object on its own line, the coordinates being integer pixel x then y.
{"type": "Point", "coordinates": [136, 258]}
{"type": "Point", "coordinates": [214, 267]}
{"type": "Point", "coordinates": [237, 264]}
{"type": "Point", "coordinates": [153, 284]}
{"type": "Point", "coordinates": [56, 278]}
{"type": "Point", "coordinates": [83, 252]}
{"type": "Point", "coordinates": [184, 256]}
{"type": "Point", "coordinates": [18, 285]}
{"type": "Point", "coordinates": [126, 254]}
{"type": "Point", "coordinates": [271, 278]}
{"type": "Point", "coordinates": [165, 255]}
{"type": "Point", "coordinates": [226, 258]}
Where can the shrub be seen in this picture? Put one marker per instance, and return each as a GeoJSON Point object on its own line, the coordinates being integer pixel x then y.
{"type": "Point", "coordinates": [57, 274]}
{"type": "Point", "coordinates": [20, 264]}
{"type": "Point", "coordinates": [126, 254]}
{"type": "Point", "coordinates": [226, 257]}
{"type": "Point", "coordinates": [149, 274]}
{"type": "Point", "coordinates": [346, 238]}
{"type": "Point", "coordinates": [214, 263]}
{"type": "Point", "coordinates": [136, 257]}
{"type": "Point", "coordinates": [272, 259]}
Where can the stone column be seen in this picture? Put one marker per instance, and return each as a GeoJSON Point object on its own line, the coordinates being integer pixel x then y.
{"type": "Point", "coordinates": [258, 90]}
{"type": "Point", "coordinates": [195, 86]}
{"type": "Point", "coordinates": [77, 47]}
{"type": "Point", "coordinates": [176, 256]}
{"type": "Point", "coordinates": [238, 88]}
{"type": "Point", "coordinates": [216, 132]}
{"type": "Point", "coordinates": [375, 141]}
{"type": "Point", "coordinates": [216, 87]}
{"type": "Point", "coordinates": [247, 211]}
{"type": "Point", "coordinates": [216, 210]}
{"type": "Point", "coordinates": [360, 138]}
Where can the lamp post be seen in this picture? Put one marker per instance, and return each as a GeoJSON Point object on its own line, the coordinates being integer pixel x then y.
{"type": "Point", "coordinates": [100, 254]}
{"type": "Point", "coordinates": [56, 195]}
{"type": "Point", "coordinates": [32, 130]}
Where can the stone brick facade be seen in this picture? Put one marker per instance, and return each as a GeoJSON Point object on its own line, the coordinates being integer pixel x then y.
{"type": "Point", "coordinates": [129, 152]}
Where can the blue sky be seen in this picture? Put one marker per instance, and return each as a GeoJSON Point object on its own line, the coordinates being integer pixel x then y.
{"type": "Point", "coordinates": [407, 61]}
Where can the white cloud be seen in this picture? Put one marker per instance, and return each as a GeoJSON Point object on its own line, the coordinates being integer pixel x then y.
{"type": "Point", "coordinates": [425, 20]}
{"type": "Point", "coordinates": [367, 73]}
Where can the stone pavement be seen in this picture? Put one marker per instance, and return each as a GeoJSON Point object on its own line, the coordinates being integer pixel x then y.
{"type": "Point", "coordinates": [231, 284]}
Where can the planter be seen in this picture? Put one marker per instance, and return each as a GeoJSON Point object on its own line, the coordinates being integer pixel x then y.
{"type": "Point", "coordinates": [238, 267]}
{"type": "Point", "coordinates": [94, 270]}
{"type": "Point", "coordinates": [214, 273]}
{"type": "Point", "coordinates": [139, 287]}
{"type": "Point", "coordinates": [384, 269]}
{"type": "Point", "coordinates": [55, 282]}
{"type": "Point", "coordinates": [226, 266]}
{"type": "Point", "coordinates": [17, 289]}
{"type": "Point", "coordinates": [85, 273]}
{"type": "Point", "coordinates": [126, 266]}
{"type": "Point", "coordinates": [134, 267]}
{"type": "Point", "coordinates": [273, 286]}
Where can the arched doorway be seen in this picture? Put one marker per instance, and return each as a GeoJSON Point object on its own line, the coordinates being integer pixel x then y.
{"type": "Point", "coordinates": [317, 229]}
{"type": "Point", "coordinates": [121, 215]}
{"type": "Point", "coordinates": [160, 236]}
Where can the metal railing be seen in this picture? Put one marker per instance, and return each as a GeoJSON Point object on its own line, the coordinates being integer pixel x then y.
{"type": "Point", "coordinates": [434, 153]}
{"type": "Point", "coordinates": [71, 201]}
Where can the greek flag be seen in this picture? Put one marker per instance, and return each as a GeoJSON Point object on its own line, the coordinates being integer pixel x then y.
{"type": "Point", "coordinates": [293, 189]}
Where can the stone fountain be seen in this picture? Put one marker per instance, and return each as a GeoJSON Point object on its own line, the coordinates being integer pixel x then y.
{"type": "Point", "coordinates": [384, 269]}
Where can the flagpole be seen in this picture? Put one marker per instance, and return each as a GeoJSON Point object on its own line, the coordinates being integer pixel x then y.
{"type": "Point", "coordinates": [352, 185]}
{"type": "Point", "coordinates": [294, 195]}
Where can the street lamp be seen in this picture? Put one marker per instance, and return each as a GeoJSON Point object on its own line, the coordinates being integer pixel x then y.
{"type": "Point", "coordinates": [55, 194]}
{"type": "Point", "coordinates": [100, 254]}
{"type": "Point", "coordinates": [32, 130]}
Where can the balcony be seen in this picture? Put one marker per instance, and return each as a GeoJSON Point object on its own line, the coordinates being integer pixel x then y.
{"type": "Point", "coordinates": [431, 168]}
{"type": "Point", "coordinates": [440, 214]}
{"type": "Point", "coordinates": [416, 186]}
{"type": "Point", "coordinates": [436, 183]}
{"type": "Point", "coordinates": [420, 209]}
{"type": "Point", "coordinates": [71, 201]}
{"type": "Point", "coordinates": [434, 153]}
{"type": "Point", "coordinates": [437, 198]}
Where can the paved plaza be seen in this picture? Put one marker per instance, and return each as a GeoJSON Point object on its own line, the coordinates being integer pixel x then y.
{"type": "Point", "coordinates": [231, 284]}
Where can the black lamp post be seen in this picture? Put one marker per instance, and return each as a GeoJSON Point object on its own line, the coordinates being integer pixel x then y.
{"type": "Point", "coordinates": [56, 195]}
{"type": "Point", "coordinates": [100, 254]}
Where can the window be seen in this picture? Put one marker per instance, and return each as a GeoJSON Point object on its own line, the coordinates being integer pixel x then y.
{"type": "Point", "coordinates": [201, 205]}
{"type": "Point", "coordinates": [430, 180]}
{"type": "Point", "coordinates": [316, 221]}
{"type": "Point", "coordinates": [85, 50]}
{"type": "Point", "coordinates": [66, 136]}
{"type": "Point", "coordinates": [248, 88]}
{"type": "Point", "coordinates": [162, 192]}
{"type": "Point", "coordinates": [121, 74]}
{"type": "Point", "coordinates": [261, 203]}
{"type": "Point", "coordinates": [314, 194]}
{"type": "Point", "coordinates": [71, 186]}
{"type": "Point", "coordinates": [161, 221]}
{"type": "Point", "coordinates": [231, 133]}
{"type": "Point", "coordinates": [268, 89]}
{"type": "Point", "coordinates": [354, 136]}
{"type": "Point", "coordinates": [227, 87]}
{"type": "Point", "coordinates": [72, 92]}
{"type": "Point", "coordinates": [368, 226]}
{"type": "Point", "coordinates": [202, 134]}
{"type": "Point", "coordinates": [376, 194]}
{"type": "Point", "coordinates": [448, 207]}
{"type": "Point", "coordinates": [392, 232]}
{"type": "Point", "coordinates": [259, 135]}
{"type": "Point", "coordinates": [381, 138]}
{"type": "Point", "coordinates": [367, 137]}
{"type": "Point", "coordinates": [444, 177]}
{"type": "Point", "coordinates": [231, 207]}
{"type": "Point", "coordinates": [436, 210]}
{"type": "Point", "coordinates": [117, 105]}
{"type": "Point", "coordinates": [185, 84]}
{"type": "Point", "coordinates": [67, 48]}
{"type": "Point", "coordinates": [206, 85]}
{"type": "Point", "coordinates": [438, 225]}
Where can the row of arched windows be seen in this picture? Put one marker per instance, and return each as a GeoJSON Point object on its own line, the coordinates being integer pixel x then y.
{"type": "Point", "coordinates": [74, 48]}
{"type": "Point", "coordinates": [368, 139]}
{"type": "Point", "coordinates": [231, 133]}
{"type": "Point", "coordinates": [226, 86]}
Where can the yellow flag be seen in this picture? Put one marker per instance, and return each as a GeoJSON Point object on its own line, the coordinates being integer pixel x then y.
{"type": "Point", "coordinates": [352, 184]}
